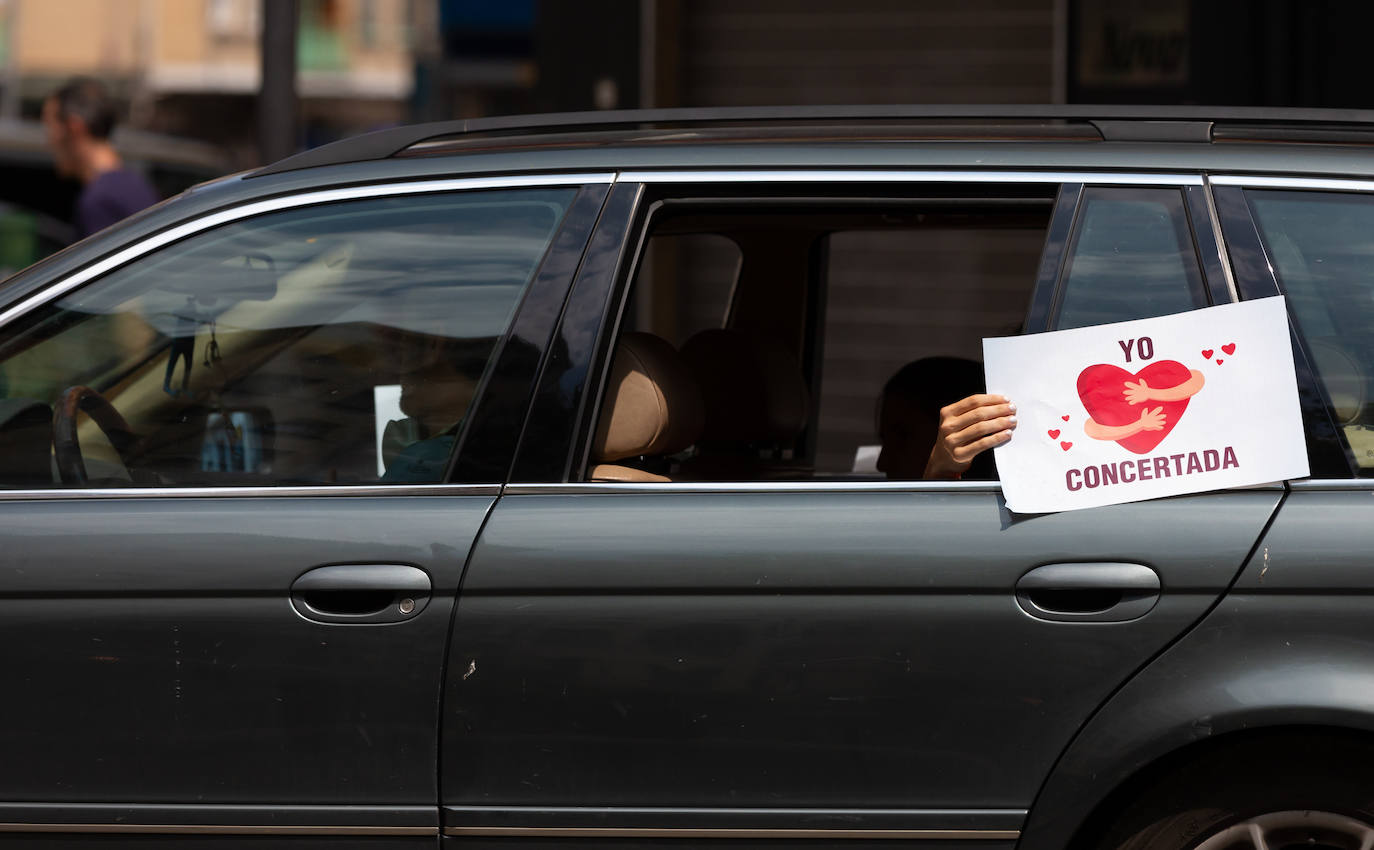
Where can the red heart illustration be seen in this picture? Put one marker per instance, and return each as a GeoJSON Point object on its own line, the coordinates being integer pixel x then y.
{"type": "Point", "coordinates": [1065, 446]}
{"type": "Point", "coordinates": [1219, 361]}
{"type": "Point", "coordinates": [1054, 433]}
{"type": "Point", "coordinates": [1102, 390]}
{"type": "Point", "coordinates": [1065, 417]}
{"type": "Point", "coordinates": [1229, 348]}
{"type": "Point", "coordinates": [1207, 352]}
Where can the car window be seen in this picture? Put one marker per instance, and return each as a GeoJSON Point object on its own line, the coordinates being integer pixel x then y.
{"type": "Point", "coordinates": [333, 344]}
{"type": "Point", "coordinates": [961, 281]}
{"type": "Point", "coordinates": [828, 304]}
{"type": "Point", "coordinates": [1321, 245]}
{"type": "Point", "coordinates": [1132, 257]}
{"type": "Point", "coordinates": [687, 284]}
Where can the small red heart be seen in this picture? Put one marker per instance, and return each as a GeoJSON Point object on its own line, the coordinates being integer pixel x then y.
{"type": "Point", "coordinates": [1065, 446]}
{"type": "Point", "coordinates": [1065, 417]}
{"type": "Point", "coordinates": [1207, 352]}
{"type": "Point", "coordinates": [1229, 348]}
{"type": "Point", "coordinates": [1218, 361]}
{"type": "Point", "coordinates": [1054, 433]}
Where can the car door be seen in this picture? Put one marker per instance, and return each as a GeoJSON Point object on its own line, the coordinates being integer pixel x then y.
{"type": "Point", "coordinates": [225, 594]}
{"type": "Point", "coordinates": [1309, 240]}
{"type": "Point", "coordinates": [775, 659]}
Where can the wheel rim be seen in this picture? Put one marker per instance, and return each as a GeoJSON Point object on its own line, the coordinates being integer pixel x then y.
{"type": "Point", "coordinates": [1308, 830]}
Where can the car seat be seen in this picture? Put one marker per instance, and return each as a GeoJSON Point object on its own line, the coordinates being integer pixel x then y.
{"type": "Point", "coordinates": [651, 409]}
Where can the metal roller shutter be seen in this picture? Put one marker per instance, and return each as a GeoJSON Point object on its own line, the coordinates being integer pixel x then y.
{"type": "Point", "coordinates": [760, 52]}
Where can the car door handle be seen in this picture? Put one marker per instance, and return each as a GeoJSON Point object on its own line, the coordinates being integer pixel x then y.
{"type": "Point", "coordinates": [1092, 592]}
{"type": "Point", "coordinates": [361, 593]}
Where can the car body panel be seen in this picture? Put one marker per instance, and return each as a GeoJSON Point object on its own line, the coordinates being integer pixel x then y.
{"type": "Point", "coordinates": [1321, 542]}
{"type": "Point", "coordinates": [1261, 662]}
{"type": "Point", "coordinates": [157, 658]}
{"type": "Point", "coordinates": [877, 634]}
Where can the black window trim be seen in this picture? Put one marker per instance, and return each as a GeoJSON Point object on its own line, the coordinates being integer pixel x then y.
{"type": "Point", "coordinates": [485, 448]}
{"type": "Point", "coordinates": [1044, 304]}
{"type": "Point", "coordinates": [559, 421]}
{"type": "Point", "coordinates": [1210, 245]}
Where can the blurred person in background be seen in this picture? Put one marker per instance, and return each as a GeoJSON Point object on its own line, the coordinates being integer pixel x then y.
{"type": "Point", "coordinates": [79, 118]}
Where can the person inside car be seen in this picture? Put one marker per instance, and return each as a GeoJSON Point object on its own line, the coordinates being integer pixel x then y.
{"type": "Point", "coordinates": [438, 376]}
{"type": "Point", "coordinates": [931, 427]}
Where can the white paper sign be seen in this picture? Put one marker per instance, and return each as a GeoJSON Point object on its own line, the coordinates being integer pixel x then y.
{"type": "Point", "coordinates": [1155, 407]}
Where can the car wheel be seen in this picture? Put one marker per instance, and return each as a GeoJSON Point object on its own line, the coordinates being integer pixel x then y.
{"type": "Point", "coordinates": [1280, 795]}
{"type": "Point", "coordinates": [1293, 829]}
{"type": "Point", "coordinates": [1289, 830]}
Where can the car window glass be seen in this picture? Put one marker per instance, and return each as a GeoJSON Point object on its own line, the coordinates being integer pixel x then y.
{"type": "Point", "coordinates": [959, 283]}
{"type": "Point", "coordinates": [827, 304]}
{"type": "Point", "coordinates": [1132, 257]}
{"type": "Point", "coordinates": [687, 283]}
{"type": "Point", "coordinates": [335, 344]}
{"type": "Point", "coordinates": [1321, 245]}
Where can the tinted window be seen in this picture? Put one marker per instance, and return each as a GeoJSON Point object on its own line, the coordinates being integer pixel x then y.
{"type": "Point", "coordinates": [1132, 258]}
{"type": "Point", "coordinates": [333, 344]}
{"type": "Point", "coordinates": [823, 331]}
{"type": "Point", "coordinates": [686, 284]}
{"type": "Point", "coordinates": [900, 297]}
{"type": "Point", "coordinates": [1322, 248]}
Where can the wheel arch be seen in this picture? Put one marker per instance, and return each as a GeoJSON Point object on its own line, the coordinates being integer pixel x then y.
{"type": "Point", "coordinates": [1271, 739]}
{"type": "Point", "coordinates": [1197, 702]}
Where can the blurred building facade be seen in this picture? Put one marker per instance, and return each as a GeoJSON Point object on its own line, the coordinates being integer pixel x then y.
{"type": "Point", "coordinates": [192, 67]}
{"type": "Point", "coordinates": [626, 53]}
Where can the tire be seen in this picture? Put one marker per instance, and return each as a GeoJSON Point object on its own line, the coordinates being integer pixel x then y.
{"type": "Point", "coordinates": [1313, 793]}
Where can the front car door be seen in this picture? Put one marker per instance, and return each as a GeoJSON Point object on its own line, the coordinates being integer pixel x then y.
{"type": "Point", "coordinates": [791, 653]}
{"type": "Point", "coordinates": [225, 594]}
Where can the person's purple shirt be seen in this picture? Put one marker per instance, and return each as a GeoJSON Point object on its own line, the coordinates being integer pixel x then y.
{"type": "Point", "coordinates": [110, 197]}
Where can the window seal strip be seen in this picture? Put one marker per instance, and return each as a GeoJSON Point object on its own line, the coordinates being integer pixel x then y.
{"type": "Point", "coordinates": [1256, 181]}
{"type": "Point", "coordinates": [356, 491]}
{"type": "Point", "coordinates": [598, 488]}
{"type": "Point", "coordinates": [990, 175]}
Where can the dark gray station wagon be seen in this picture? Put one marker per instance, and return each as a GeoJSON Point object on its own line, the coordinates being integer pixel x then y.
{"type": "Point", "coordinates": [517, 483]}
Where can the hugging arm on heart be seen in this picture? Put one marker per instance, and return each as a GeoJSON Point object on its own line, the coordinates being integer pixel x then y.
{"type": "Point", "coordinates": [1137, 392]}
{"type": "Point", "coordinates": [1150, 420]}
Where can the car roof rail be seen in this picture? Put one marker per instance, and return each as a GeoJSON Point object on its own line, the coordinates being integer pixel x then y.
{"type": "Point", "coordinates": [1112, 122]}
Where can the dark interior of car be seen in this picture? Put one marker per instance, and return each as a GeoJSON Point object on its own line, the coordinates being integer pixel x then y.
{"type": "Point", "coordinates": [747, 349]}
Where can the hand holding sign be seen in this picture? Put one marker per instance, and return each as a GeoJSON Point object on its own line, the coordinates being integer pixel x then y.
{"type": "Point", "coordinates": [1167, 428]}
{"type": "Point", "coordinates": [968, 427]}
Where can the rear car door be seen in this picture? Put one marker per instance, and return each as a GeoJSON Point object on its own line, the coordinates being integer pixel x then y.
{"type": "Point", "coordinates": [225, 594]}
{"type": "Point", "coordinates": [1311, 240]}
{"type": "Point", "coordinates": [805, 655]}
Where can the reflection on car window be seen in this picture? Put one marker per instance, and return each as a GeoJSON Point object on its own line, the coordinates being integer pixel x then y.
{"type": "Point", "coordinates": [1132, 258]}
{"type": "Point", "coordinates": [337, 344]}
{"type": "Point", "coordinates": [1322, 247]}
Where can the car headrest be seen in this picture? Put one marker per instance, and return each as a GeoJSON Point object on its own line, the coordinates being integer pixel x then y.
{"type": "Point", "coordinates": [652, 405]}
{"type": "Point", "coordinates": [752, 388]}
